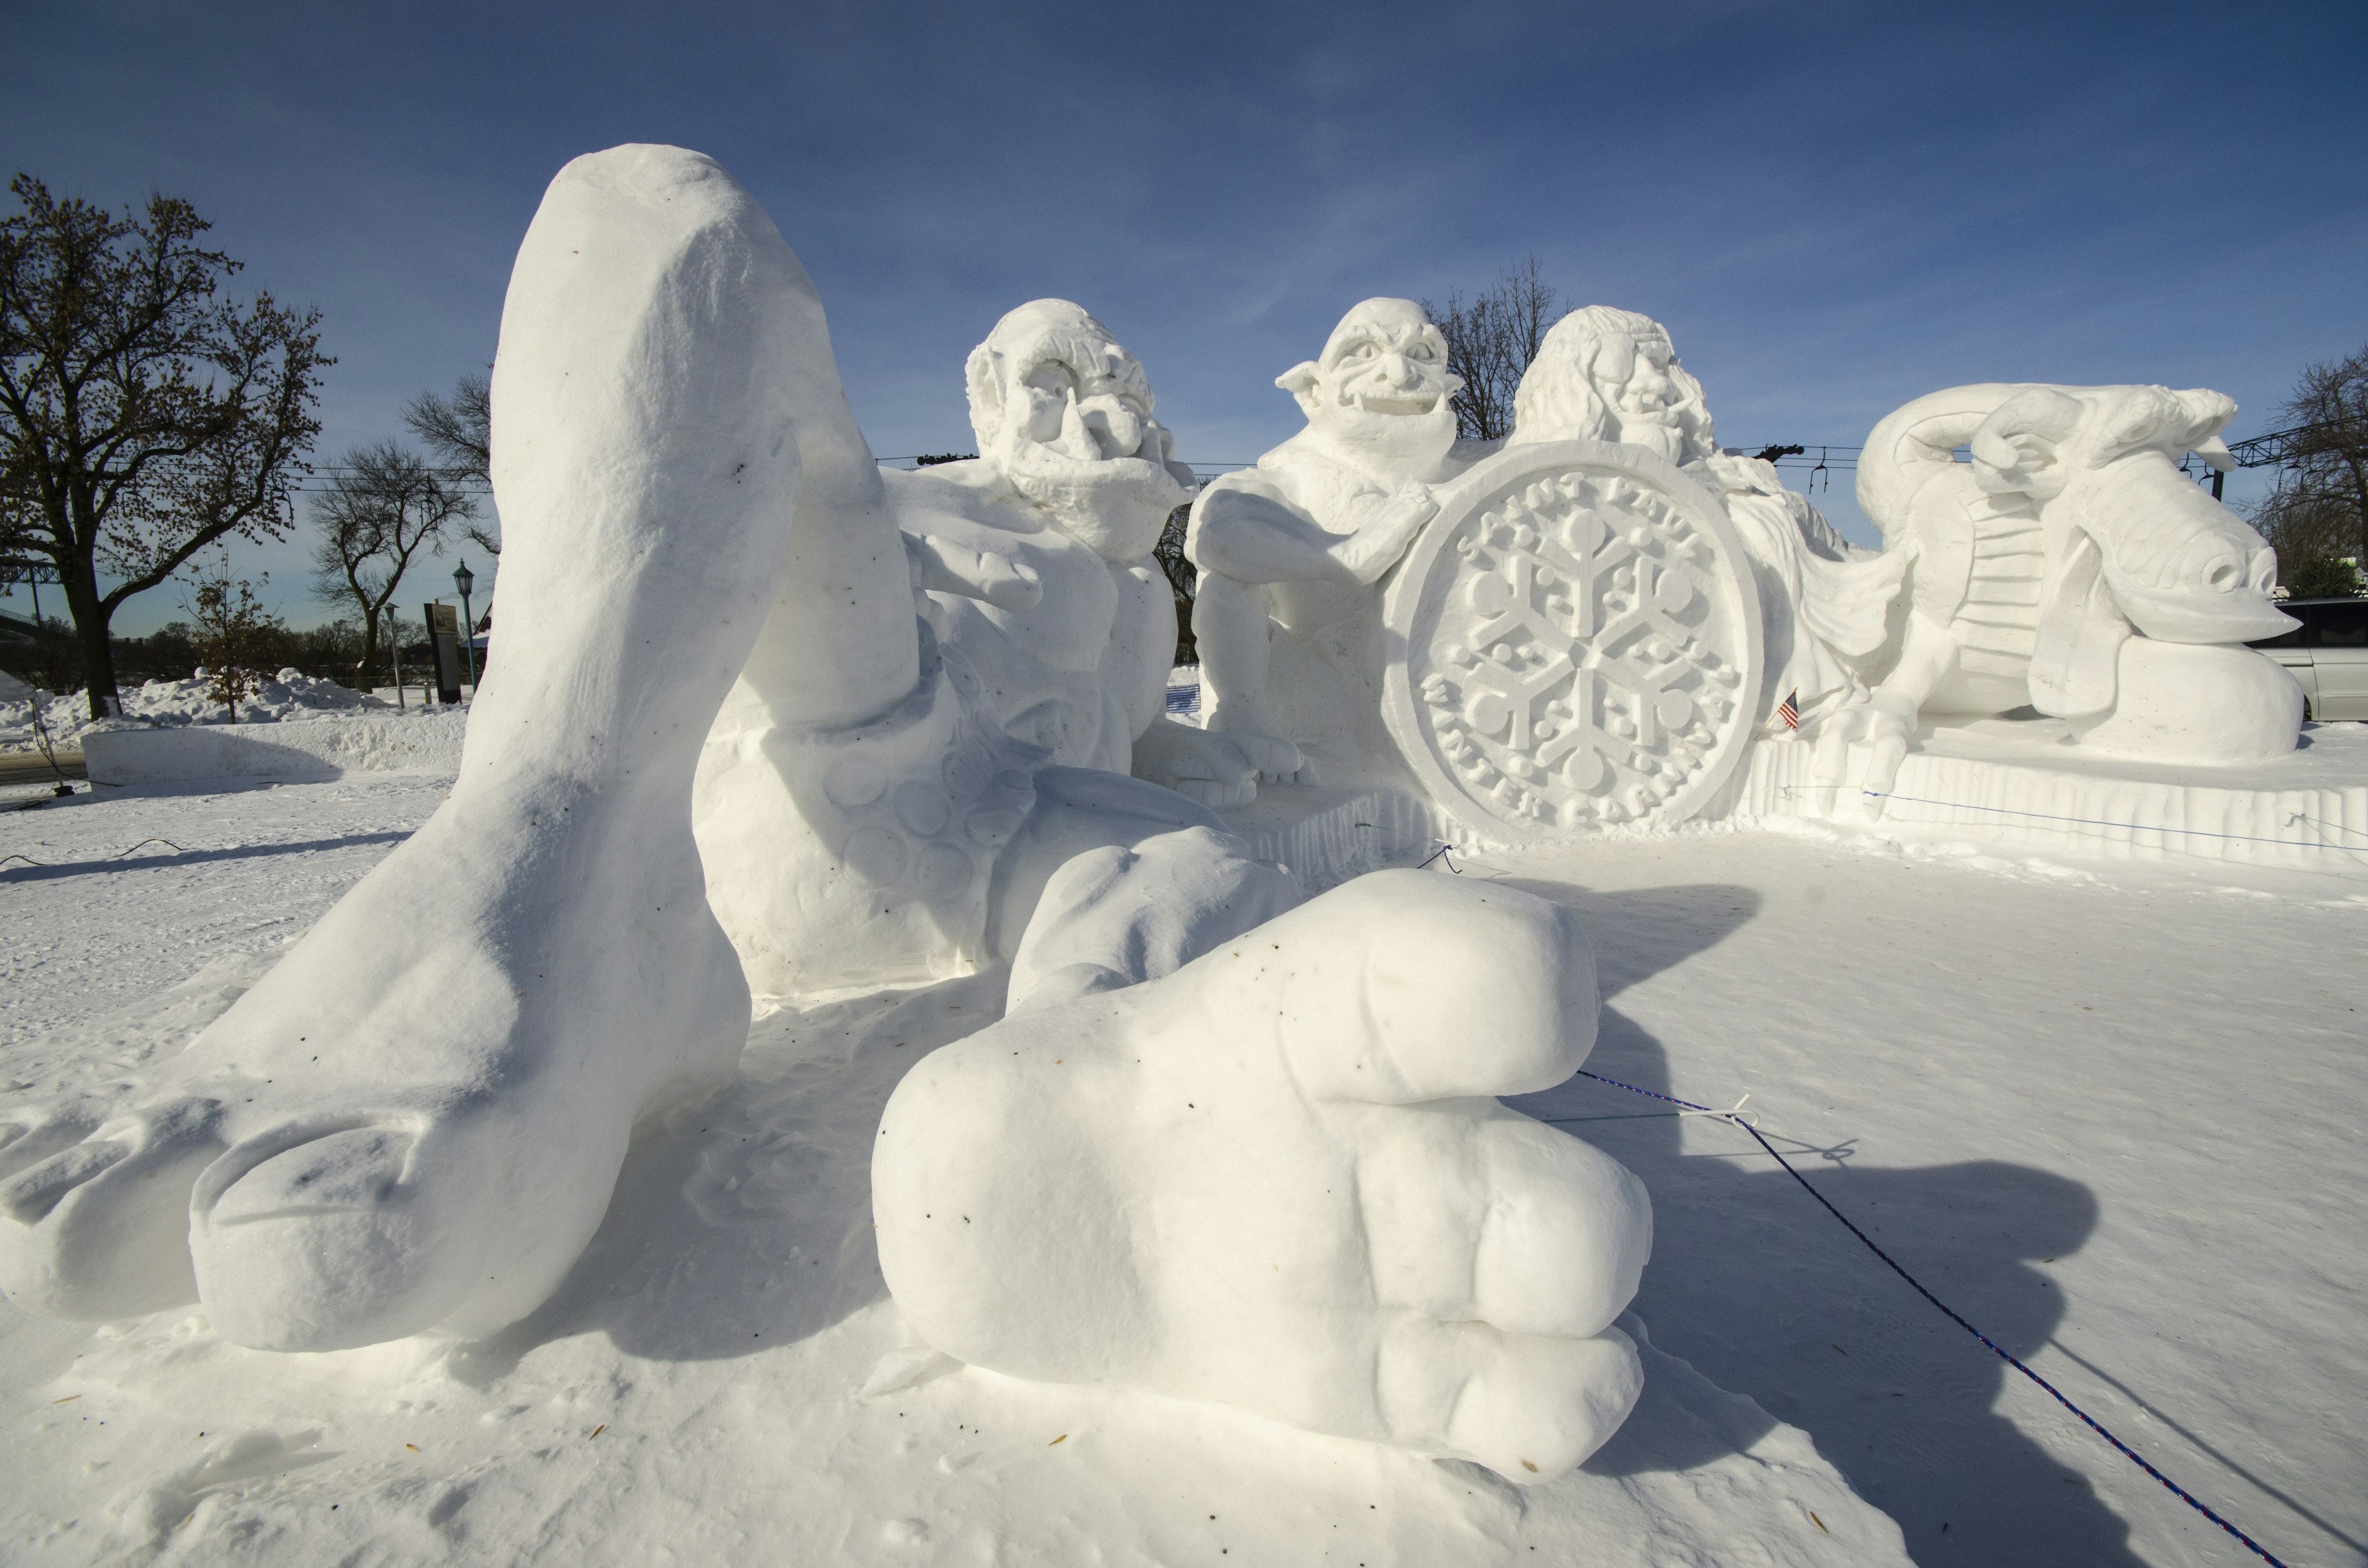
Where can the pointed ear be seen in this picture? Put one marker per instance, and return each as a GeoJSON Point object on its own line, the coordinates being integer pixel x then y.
{"type": "Point", "coordinates": [1299, 382]}
{"type": "Point", "coordinates": [986, 396]}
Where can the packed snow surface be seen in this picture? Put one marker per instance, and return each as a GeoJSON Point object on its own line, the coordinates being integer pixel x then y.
{"type": "Point", "coordinates": [291, 694]}
{"type": "Point", "coordinates": [2110, 1114]}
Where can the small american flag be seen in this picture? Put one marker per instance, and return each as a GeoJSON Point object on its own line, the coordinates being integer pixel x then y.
{"type": "Point", "coordinates": [1789, 709]}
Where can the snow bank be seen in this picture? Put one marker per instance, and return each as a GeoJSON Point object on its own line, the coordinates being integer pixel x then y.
{"type": "Point", "coordinates": [301, 748]}
{"type": "Point", "coordinates": [291, 694]}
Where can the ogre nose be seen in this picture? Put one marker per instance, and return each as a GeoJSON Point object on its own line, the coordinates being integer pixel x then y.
{"type": "Point", "coordinates": [1117, 428]}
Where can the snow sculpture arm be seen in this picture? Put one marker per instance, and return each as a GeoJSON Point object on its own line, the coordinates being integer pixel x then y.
{"type": "Point", "coordinates": [1277, 1179]}
{"type": "Point", "coordinates": [1886, 721]}
{"type": "Point", "coordinates": [940, 565]}
{"type": "Point", "coordinates": [1201, 765]}
{"type": "Point", "coordinates": [1245, 529]}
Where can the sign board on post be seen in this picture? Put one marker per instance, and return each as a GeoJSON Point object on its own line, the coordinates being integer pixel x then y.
{"type": "Point", "coordinates": [444, 637]}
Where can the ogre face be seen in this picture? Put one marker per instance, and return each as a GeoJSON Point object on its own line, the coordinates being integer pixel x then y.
{"type": "Point", "coordinates": [1380, 390]}
{"type": "Point", "coordinates": [1647, 392]}
{"type": "Point", "coordinates": [1611, 375]}
{"type": "Point", "coordinates": [1065, 412]}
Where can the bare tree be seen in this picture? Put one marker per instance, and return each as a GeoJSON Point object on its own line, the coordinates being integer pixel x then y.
{"type": "Point", "coordinates": [233, 632]}
{"type": "Point", "coordinates": [457, 427]}
{"type": "Point", "coordinates": [2318, 511]}
{"type": "Point", "coordinates": [384, 505]}
{"type": "Point", "coordinates": [141, 419]}
{"type": "Point", "coordinates": [1491, 338]}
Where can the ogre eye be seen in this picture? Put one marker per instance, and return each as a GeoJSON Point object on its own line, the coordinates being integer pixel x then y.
{"type": "Point", "coordinates": [1052, 376]}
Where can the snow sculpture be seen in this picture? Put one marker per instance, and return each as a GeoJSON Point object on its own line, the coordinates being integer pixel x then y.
{"type": "Point", "coordinates": [414, 1123]}
{"type": "Point", "coordinates": [1073, 485]}
{"type": "Point", "coordinates": [1576, 644]}
{"type": "Point", "coordinates": [1603, 374]}
{"type": "Point", "coordinates": [1096, 1193]}
{"type": "Point", "coordinates": [1290, 549]}
{"type": "Point", "coordinates": [2071, 566]}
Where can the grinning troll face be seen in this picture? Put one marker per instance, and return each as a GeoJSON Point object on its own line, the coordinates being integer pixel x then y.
{"type": "Point", "coordinates": [1611, 375]}
{"type": "Point", "coordinates": [1379, 392]}
{"type": "Point", "coordinates": [1064, 414]}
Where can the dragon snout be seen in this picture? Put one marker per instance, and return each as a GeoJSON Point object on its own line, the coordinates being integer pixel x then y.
{"type": "Point", "coordinates": [2182, 567]}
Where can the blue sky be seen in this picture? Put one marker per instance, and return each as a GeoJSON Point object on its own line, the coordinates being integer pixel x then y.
{"type": "Point", "coordinates": [1835, 208]}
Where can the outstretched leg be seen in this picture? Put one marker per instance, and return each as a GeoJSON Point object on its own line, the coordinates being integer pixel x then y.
{"type": "Point", "coordinates": [416, 1118]}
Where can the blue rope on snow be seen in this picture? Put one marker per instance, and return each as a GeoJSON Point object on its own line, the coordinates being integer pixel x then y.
{"type": "Point", "coordinates": [2008, 1356]}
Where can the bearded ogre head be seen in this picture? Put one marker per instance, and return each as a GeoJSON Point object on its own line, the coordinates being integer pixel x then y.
{"type": "Point", "coordinates": [1064, 414]}
{"type": "Point", "coordinates": [1379, 392]}
{"type": "Point", "coordinates": [1611, 375]}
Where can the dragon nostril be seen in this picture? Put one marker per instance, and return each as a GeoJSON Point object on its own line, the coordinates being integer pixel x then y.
{"type": "Point", "coordinates": [2224, 577]}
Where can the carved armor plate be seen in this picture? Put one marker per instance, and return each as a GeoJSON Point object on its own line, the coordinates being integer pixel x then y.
{"type": "Point", "coordinates": [1575, 644]}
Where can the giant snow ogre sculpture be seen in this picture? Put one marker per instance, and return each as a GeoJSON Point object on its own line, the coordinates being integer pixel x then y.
{"type": "Point", "coordinates": [1267, 1172]}
{"type": "Point", "coordinates": [869, 852]}
{"type": "Point", "coordinates": [2071, 566]}
{"type": "Point", "coordinates": [1287, 615]}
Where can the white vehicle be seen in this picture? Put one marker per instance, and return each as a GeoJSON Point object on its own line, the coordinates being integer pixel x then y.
{"type": "Point", "coordinates": [2328, 652]}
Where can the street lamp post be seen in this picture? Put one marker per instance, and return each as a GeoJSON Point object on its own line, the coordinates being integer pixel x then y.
{"type": "Point", "coordinates": [464, 580]}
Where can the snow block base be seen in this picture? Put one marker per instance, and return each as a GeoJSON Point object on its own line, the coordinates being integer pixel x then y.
{"type": "Point", "coordinates": [309, 748]}
{"type": "Point", "coordinates": [2026, 781]}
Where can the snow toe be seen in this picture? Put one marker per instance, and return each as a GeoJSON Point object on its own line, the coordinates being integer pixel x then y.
{"type": "Point", "coordinates": [100, 1229]}
{"type": "Point", "coordinates": [326, 1236]}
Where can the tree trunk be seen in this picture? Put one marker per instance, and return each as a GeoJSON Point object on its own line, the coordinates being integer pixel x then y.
{"type": "Point", "coordinates": [90, 618]}
{"type": "Point", "coordinates": [369, 644]}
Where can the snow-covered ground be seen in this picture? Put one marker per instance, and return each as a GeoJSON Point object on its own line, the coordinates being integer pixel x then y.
{"type": "Point", "coordinates": [289, 694]}
{"type": "Point", "coordinates": [2114, 1115]}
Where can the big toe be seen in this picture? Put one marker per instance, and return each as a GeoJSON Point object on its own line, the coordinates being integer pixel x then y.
{"type": "Point", "coordinates": [1405, 986]}
{"type": "Point", "coordinates": [314, 1240]}
{"type": "Point", "coordinates": [354, 1232]}
{"type": "Point", "coordinates": [100, 1229]}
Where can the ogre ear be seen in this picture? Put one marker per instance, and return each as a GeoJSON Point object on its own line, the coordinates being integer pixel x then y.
{"type": "Point", "coordinates": [1299, 382]}
{"type": "Point", "coordinates": [986, 396]}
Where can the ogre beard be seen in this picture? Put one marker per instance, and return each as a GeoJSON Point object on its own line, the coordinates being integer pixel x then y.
{"type": "Point", "coordinates": [1117, 506]}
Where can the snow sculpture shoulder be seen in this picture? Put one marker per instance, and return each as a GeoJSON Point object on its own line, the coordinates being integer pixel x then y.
{"type": "Point", "coordinates": [1290, 551]}
{"type": "Point", "coordinates": [2069, 565]}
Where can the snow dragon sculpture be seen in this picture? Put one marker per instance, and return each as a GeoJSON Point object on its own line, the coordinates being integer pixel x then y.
{"type": "Point", "coordinates": [2061, 566]}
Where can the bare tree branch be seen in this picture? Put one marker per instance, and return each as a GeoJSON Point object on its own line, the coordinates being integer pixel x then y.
{"type": "Point", "coordinates": [2317, 514]}
{"type": "Point", "coordinates": [458, 430]}
{"type": "Point", "coordinates": [384, 505]}
{"type": "Point", "coordinates": [1491, 339]}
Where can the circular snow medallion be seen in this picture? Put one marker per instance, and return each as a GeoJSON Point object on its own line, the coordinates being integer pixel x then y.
{"type": "Point", "coordinates": [1575, 643]}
